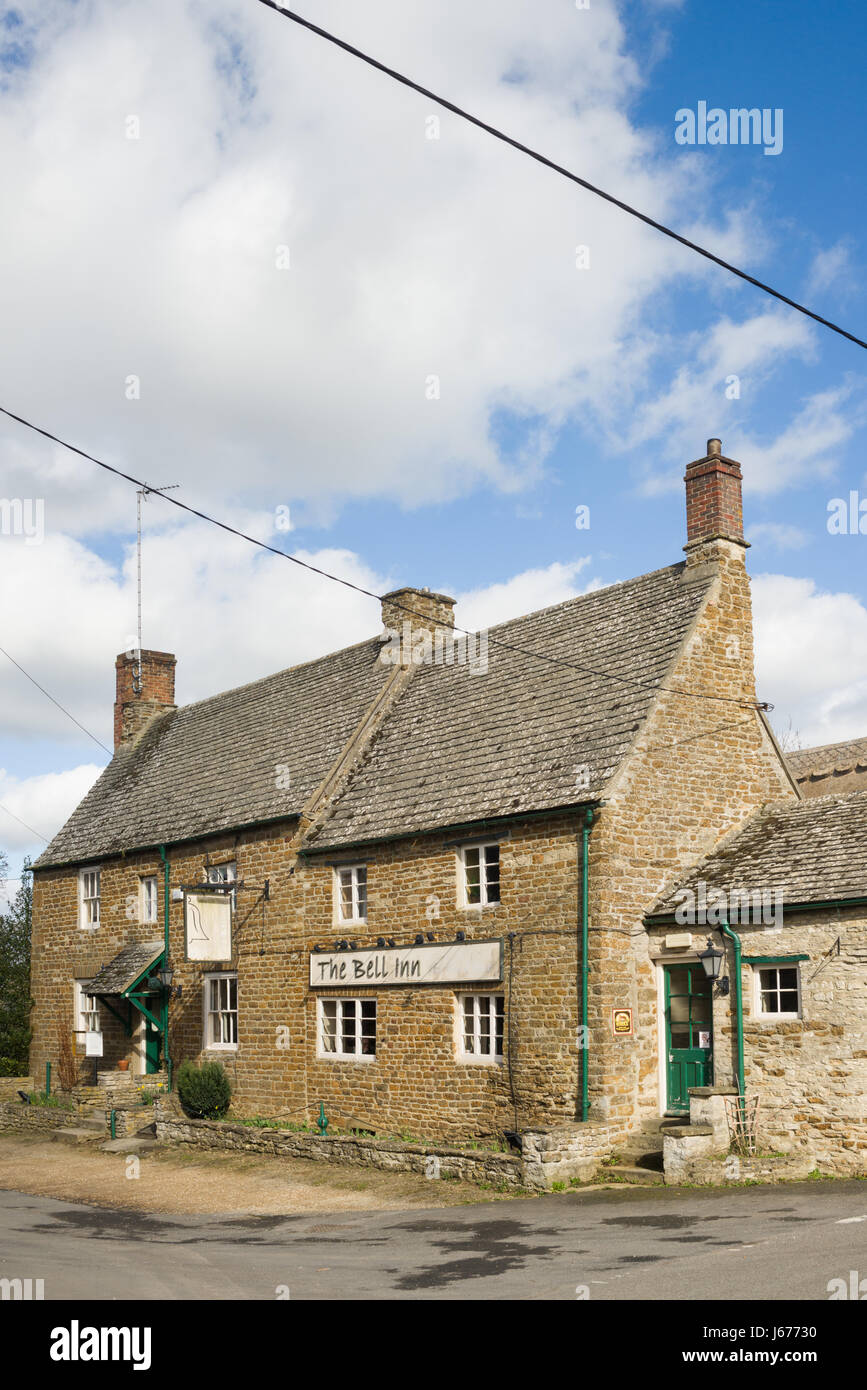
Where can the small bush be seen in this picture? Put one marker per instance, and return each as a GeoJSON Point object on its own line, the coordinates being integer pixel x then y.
{"type": "Point", "coordinates": [205, 1091]}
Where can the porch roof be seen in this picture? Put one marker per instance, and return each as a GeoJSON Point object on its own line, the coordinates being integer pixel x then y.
{"type": "Point", "coordinates": [126, 967]}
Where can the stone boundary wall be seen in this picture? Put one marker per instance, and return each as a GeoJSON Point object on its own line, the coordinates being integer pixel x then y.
{"type": "Point", "coordinates": [11, 1085]}
{"type": "Point", "coordinates": [564, 1152]}
{"type": "Point", "coordinates": [389, 1155]}
{"type": "Point", "coordinates": [15, 1115]}
{"type": "Point", "coordinates": [129, 1119]}
{"type": "Point", "coordinates": [699, 1152]}
{"type": "Point", "coordinates": [685, 1162]}
{"type": "Point", "coordinates": [558, 1154]}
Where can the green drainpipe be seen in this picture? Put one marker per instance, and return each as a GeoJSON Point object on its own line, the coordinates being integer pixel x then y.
{"type": "Point", "coordinates": [726, 930]}
{"type": "Point", "coordinates": [585, 962]}
{"type": "Point", "coordinates": [165, 1003]}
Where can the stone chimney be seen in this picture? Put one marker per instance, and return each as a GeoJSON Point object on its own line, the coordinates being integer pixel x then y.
{"type": "Point", "coordinates": [429, 611]}
{"type": "Point", "coordinates": [416, 623]}
{"type": "Point", "coordinates": [143, 690]}
{"type": "Point", "coordinates": [714, 507]}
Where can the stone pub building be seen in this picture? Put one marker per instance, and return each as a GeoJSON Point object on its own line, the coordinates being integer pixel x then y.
{"type": "Point", "coordinates": [443, 887]}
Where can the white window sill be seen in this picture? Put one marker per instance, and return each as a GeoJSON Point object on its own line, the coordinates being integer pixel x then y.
{"type": "Point", "coordinates": [353, 1057]}
{"type": "Point", "coordinates": [471, 1061]}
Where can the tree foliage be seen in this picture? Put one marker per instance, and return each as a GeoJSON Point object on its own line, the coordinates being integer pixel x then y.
{"type": "Point", "coordinates": [15, 1000]}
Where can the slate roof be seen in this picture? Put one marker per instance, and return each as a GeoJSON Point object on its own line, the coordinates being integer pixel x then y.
{"type": "Point", "coordinates": [811, 851]}
{"type": "Point", "coordinates": [461, 747]}
{"type": "Point", "coordinates": [125, 969]}
{"type": "Point", "coordinates": [456, 747]}
{"type": "Point", "coordinates": [831, 768]}
{"type": "Point", "coordinates": [212, 766]}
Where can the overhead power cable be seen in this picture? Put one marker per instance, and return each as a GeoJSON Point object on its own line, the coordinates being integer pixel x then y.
{"type": "Point", "coordinates": [558, 169]}
{"type": "Point", "coordinates": [359, 588]}
{"type": "Point", "coordinates": [37, 833]}
{"type": "Point", "coordinates": [54, 702]}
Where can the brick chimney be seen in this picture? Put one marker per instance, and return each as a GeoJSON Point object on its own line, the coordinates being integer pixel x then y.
{"type": "Point", "coordinates": [714, 507]}
{"type": "Point", "coordinates": [135, 707]}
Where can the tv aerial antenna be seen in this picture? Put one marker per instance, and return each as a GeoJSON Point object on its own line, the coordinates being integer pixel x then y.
{"type": "Point", "coordinates": [142, 494]}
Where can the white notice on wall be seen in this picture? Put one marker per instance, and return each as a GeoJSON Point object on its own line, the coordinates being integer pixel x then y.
{"type": "Point", "coordinates": [93, 1044]}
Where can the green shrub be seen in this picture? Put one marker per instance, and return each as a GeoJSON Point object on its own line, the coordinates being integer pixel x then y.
{"type": "Point", "coordinates": [205, 1091]}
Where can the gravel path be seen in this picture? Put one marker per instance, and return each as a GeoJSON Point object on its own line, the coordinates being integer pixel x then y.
{"type": "Point", "coordinates": [185, 1182]}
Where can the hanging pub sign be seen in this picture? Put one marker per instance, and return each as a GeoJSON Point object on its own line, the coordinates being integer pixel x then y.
{"type": "Point", "coordinates": [621, 1023]}
{"type": "Point", "coordinates": [208, 926]}
{"type": "Point", "coordinates": [455, 963]}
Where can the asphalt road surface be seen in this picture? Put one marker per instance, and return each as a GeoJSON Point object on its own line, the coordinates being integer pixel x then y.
{"type": "Point", "coordinates": [765, 1243]}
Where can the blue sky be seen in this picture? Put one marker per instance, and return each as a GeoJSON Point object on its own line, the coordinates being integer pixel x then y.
{"type": "Point", "coordinates": [152, 255]}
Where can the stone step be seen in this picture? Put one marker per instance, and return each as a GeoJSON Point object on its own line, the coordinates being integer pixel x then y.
{"type": "Point", "coordinates": [624, 1172]}
{"type": "Point", "coordinates": [131, 1144]}
{"type": "Point", "coordinates": [78, 1134]}
{"type": "Point", "coordinates": [649, 1138]}
{"type": "Point", "coordinates": [91, 1118]}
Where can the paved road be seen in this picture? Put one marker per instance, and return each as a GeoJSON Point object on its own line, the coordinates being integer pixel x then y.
{"type": "Point", "coordinates": [757, 1243]}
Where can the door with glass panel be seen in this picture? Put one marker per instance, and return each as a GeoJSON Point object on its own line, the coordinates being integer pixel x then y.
{"type": "Point", "coordinates": [688, 1032]}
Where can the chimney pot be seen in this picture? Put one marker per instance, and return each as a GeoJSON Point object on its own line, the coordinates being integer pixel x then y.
{"type": "Point", "coordinates": [714, 446]}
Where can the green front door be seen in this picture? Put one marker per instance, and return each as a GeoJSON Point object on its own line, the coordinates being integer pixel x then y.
{"type": "Point", "coordinates": [152, 1047]}
{"type": "Point", "coordinates": [688, 1032]}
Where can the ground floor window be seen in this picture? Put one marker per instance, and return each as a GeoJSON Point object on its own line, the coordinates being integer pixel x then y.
{"type": "Point", "coordinates": [347, 1027]}
{"type": "Point", "coordinates": [777, 991]}
{"type": "Point", "coordinates": [480, 1031]}
{"type": "Point", "coordinates": [86, 1011]}
{"type": "Point", "coordinates": [221, 1012]}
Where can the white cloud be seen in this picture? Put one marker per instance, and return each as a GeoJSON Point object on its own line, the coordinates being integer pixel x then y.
{"type": "Point", "coordinates": [831, 269]}
{"type": "Point", "coordinates": [523, 593]}
{"type": "Point", "coordinates": [808, 448]}
{"type": "Point", "coordinates": [724, 367]}
{"type": "Point", "coordinates": [230, 613]}
{"type": "Point", "coordinates": [811, 658]}
{"type": "Point", "coordinates": [409, 257]}
{"type": "Point", "coordinates": [777, 534]}
{"type": "Point", "coordinates": [43, 803]}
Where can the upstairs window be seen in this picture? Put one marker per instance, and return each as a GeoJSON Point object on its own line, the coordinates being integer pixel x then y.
{"type": "Point", "coordinates": [351, 886]}
{"type": "Point", "coordinates": [221, 1012]}
{"type": "Point", "coordinates": [481, 874]}
{"type": "Point", "coordinates": [224, 873]}
{"type": "Point", "coordinates": [88, 899]}
{"type": "Point", "coordinates": [149, 898]}
{"type": "Point", "coordinates": [777, 991]}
